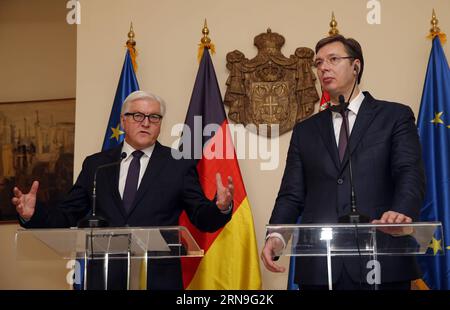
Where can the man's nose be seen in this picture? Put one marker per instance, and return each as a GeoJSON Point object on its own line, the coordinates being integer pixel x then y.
{"type": "Point", "coordinates": [325, 66]}
{"type": "Point", "coordinates": [145, 122]}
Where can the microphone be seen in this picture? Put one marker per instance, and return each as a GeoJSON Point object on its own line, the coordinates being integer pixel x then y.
{"type": "Point", "coordinates": [92, 220]}
{"type": "Point", "coordinates": [354, 216]}
{"type": "Point", "coordinates": [342, 101]}
{"type": "Point", "coordinates": [341, 107]}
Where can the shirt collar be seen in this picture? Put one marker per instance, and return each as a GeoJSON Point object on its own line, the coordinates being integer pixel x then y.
{"type": "Point", "coordinates": [354, 105]}
{"type": "Point", "coordinates": [129, 149]}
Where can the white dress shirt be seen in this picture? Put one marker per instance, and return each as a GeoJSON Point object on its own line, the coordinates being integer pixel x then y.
{"type": "Point", "coordinates": [126, 164]}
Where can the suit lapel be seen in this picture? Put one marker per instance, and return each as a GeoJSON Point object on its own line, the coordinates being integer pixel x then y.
{"type": "Point", "coordinates": [149, 180]}
{"type": "Point", "coordinates": [113, 179]}
{"type": "Point", "coordinates": [365, 116]}
{"type": "Point", "coordinates": [325, 125]}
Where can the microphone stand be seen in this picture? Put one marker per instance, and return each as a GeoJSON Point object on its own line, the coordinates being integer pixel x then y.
{"type": "Point", "coordinates": [354, 216]}
{"type": "Point", "coordinates": [93, 220]}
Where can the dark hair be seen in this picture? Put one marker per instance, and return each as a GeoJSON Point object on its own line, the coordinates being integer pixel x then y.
{"type": "Point", "coordinates": [352, 47]}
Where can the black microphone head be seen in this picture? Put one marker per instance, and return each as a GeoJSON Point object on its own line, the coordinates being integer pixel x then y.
{"type": "Point", "coordinates": [123, 155]}
{"type": "Point", "coordinates": [341, 106]}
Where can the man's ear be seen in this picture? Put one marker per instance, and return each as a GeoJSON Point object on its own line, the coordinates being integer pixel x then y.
{"type": "Point", "coordinates": [356, 66]}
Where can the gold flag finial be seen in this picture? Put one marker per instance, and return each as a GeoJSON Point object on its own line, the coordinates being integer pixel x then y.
{"type": "Point", "coordinates": [435, 31]}
{"type": "Point", "coordinates": [131, 45]}
{"type": "Point", "coordinates": [205, 42]}
{"type": "Point", "coordinates": [333, 26]}
{"type": "Point", "coordinates": [131, 36]}
{"type": "Point", "coordinates": [434, 23]}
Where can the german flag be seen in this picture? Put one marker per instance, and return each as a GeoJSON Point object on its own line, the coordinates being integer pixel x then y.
{"type": "Point", "coordinates": [231, 258]}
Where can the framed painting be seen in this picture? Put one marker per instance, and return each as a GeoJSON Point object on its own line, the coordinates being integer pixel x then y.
{"type": "Point", "coordinates": [36, 143]}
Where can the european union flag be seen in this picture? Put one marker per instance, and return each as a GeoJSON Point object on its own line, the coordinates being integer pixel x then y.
{"type": "Point", "coordinates": [434, 131]}
{"type": "Point", "coordinates": [127, 84]}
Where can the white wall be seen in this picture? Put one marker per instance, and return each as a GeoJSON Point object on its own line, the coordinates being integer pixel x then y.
{"type": "Point", "coordinates": [37, 53]}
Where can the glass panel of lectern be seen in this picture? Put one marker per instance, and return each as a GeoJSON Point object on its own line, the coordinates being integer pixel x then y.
{"type": "Point", "coordinates": [130, 244]}
{"type": "Point", "coordinates": [369, 240]}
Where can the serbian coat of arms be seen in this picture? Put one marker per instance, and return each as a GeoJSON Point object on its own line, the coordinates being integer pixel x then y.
{"type": "Point", "coordinates": [270, 89]}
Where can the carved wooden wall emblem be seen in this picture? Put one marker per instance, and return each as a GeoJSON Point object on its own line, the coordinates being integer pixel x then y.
{"type": "Point", "coordinates": [271, 88]}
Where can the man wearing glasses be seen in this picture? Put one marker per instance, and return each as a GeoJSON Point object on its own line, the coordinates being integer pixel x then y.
{"type": "Point", "coordinates": [147, 187]}
{"type": "Point", "coordinates": [387, 170]}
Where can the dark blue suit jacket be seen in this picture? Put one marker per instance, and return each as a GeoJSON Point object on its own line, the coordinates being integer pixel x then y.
{"type": "Point", "coordinates": [168, 187]}
{"type": "Point", "coordinates": [387, 172]}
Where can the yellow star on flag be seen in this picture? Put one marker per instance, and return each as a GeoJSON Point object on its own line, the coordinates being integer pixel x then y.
{"type": "Point", "coordinates": [437, 118]}
{"type": "Point", "coordinates": [116, 132]}
{"type": "Point", "coordinates": [435, 245]}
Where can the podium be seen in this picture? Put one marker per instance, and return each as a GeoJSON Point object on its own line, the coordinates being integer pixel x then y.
{"type": "Point", "coordinates": [106, 244]}
{"type": "Point", "coordinates": [363, 240]}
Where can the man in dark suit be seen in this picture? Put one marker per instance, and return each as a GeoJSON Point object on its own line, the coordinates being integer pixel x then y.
{"type": "Point", "coordinates": [387, 169]}
{"type": "Point", "coordinates": [148, 188]}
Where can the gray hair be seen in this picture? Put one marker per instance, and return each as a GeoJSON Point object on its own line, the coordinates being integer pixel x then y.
{"type": "Point", "coordinates": [143, 95]}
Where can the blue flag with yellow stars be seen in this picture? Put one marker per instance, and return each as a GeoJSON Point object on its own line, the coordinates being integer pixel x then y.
{"type": "Point", "coordinates": [434, 131]}
{"type": "Point", "coordinates": [127, 84]}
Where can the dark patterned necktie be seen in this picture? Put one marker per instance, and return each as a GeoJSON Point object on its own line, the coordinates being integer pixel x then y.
{"type": "Point", "coordinates": [131, 184]}
{"type": "Point", "coordinates": [343, 140]}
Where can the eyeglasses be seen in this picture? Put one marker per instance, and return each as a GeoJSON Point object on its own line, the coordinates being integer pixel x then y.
{"type": "Point", "coordinates": [139, 117]}
{"type": "Point", "coordinates": [333, 61]}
